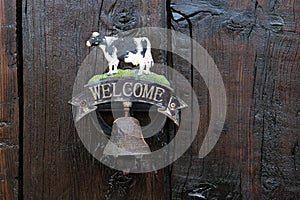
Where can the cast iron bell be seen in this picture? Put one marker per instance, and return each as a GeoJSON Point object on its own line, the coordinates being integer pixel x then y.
{"type": "Point", "coordinates": [126, 137]}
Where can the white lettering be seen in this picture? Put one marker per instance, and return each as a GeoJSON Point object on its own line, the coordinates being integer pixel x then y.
{"type": "Point", "coordinates": [129, 88]}
{"type": "Point", "coordinates": [96, 92]}
{"type": "Point", "coordinates": [114, 91]}
{"type": "Point", "coordinates": [138, 87]}
{"type": "Point", "coordinates": [106, 90]}
{"type": "Point", "coordinates": [148, 93]}
{"type": "Point", "coordinates": [158, 93]}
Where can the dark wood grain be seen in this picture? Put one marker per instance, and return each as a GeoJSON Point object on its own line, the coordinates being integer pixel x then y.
{"type": "Point", "coordinates": [255, 46]}
{"type": "Point", "coordinates": [56, 164]}
{"type": "Point", "coordinates": [277, 100]}
{"type": "Point", "coordinates": [9, 106]}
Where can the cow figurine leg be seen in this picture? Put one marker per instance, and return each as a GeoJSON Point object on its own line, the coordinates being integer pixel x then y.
{"type": "Point", "coordinates": [113, 67]}
{"type": "Point", "coordinates": [110, 69]}
{"type": "Point", "coordinates": [148, 63]}
{"type": "Point", "coordinates": [144, 68]}
{"type": "Point", "coordinates": [141, 71]}
{"type": "Point", "coordinates": [147, 70]}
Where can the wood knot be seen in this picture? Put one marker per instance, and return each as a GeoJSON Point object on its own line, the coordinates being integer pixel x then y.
{"type": "Point", "coordinates": [273, 22]}
{"type": "Point", "coordinates": [125, 21]}
{"type": "Point", "coordinates": [240, 22]}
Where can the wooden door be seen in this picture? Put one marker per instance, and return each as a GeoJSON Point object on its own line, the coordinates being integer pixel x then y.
{"type": "Point", "coordinates": [253, 43]}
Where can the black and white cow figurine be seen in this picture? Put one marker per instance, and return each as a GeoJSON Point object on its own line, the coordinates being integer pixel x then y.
{"type": "Point", "coordinates": [129, 50]}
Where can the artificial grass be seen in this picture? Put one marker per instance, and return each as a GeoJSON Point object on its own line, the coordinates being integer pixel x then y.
{"type": "Point", "coordinates": [153, 77]}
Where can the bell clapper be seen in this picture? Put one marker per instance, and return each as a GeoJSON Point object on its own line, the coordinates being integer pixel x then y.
{"type": "Point", "coordinates": [127, 105]}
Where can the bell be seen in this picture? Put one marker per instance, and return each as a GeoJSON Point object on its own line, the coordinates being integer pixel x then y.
{"type": "Point", "coordinates": [126, 137]}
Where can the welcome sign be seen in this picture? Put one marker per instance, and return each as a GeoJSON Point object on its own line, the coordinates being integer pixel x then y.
{"type": "Point", "coordinates": [128, 90]}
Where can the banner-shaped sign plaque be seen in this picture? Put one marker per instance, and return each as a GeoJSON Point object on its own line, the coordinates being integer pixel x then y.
{"type": "Point", "coordinates": [129, 89]}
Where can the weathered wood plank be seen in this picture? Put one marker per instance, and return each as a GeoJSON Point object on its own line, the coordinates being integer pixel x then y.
{"type": "Point", "coordinates": [254, 44]}
{"type": "Point", "coordinates": [277, 101]}
{"type": "Point", "coordinates": [56, 164]}
{"type": "Point", "coordinates": [9, 106]}
{"type": "Point", "coordinates": [115, 18]}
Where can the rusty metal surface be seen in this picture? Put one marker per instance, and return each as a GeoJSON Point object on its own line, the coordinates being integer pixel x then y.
{"type": "Point", "coordinates": [126, 138]}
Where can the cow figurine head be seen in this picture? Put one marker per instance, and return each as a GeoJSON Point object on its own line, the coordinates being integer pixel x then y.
{"type": "Point", "coordinates": [95, 40]}
{"type": "Point", "coordinates": [129, 50]}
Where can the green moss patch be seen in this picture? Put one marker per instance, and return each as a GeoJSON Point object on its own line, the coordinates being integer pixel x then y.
{"type": "Point", "coordinates": [153, 77]}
